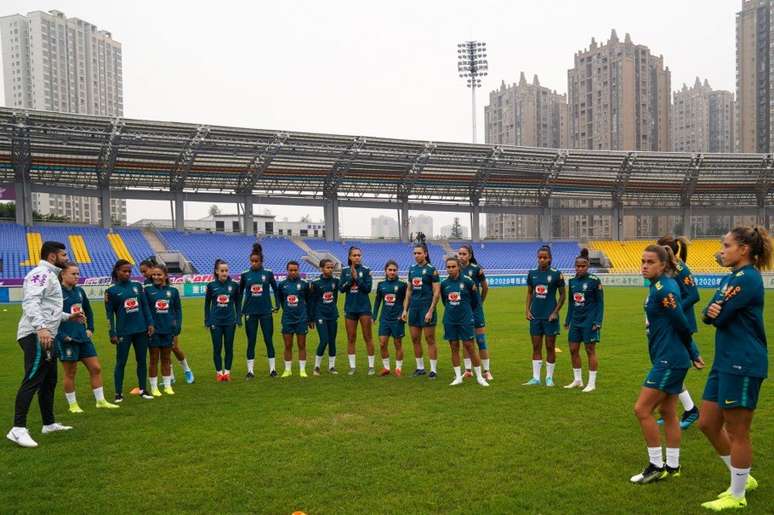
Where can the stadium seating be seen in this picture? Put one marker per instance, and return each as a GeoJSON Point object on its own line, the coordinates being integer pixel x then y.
{"type": "Point", "coordinates": [377, 253]}
{"type": "Point", "coordinates": [626, 256]}
{"type": "Point", "coordinates": [510, 257]}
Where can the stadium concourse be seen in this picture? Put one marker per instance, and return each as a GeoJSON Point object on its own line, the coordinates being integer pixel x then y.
{"type": "Point", "coordinates": [96, 250]}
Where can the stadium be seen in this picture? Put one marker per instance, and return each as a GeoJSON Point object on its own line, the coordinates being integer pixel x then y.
{"type": "Point", "coordinates": [353, 444]}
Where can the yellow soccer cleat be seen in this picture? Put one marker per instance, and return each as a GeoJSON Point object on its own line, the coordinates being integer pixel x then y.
{"type": "Point", "coordinates": [751, 485]}
{"type": "Point", "coordinates": [302, 373]}
{"type": "Point", "coordinates": [155, 392]}
{"type": "Point", "coordinates": [74, 408]}
{"type": "Point", "coordinates": [168, 390]}
{"type": "Point", "coordinates": [108, 405]}
{"type": "Point", "coordinates": [287, 373]}
{"type": "Point", "coordinates": [728, 502]}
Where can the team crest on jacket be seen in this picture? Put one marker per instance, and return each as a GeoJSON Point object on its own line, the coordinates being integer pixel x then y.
{"type": "Point", "coordinates": [585, 286]}
{"type": "Point", "coordinates": [292, 300]}
{"type": "Point", "coordinates": [162, 306]}
{"type": "Point", "coordinates": [134, 289]}
{"type": "Point", "coordinates": [222, 300]}
{"type": "Point", "coordinates": [131, 305]}
{"type": "Point", "coordinates": [169, 294]}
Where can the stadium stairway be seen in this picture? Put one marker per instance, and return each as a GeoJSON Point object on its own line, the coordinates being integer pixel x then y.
{"type": "Point", "coordinates": [154, 241]}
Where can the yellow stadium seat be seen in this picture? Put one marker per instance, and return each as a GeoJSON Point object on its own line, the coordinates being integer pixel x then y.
{"type": "Point", "coordinates": [78, 247]}
{"type": "Point", "coordinates": [119, 247]}
{"type": "Point", "coordinates": [34, 244]}
{"type": "Point", "coordinates": [626, 256]}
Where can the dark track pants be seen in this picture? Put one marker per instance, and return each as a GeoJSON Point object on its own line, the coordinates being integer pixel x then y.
{"type": "Point", "coordinates": [40, 378]}
{"type": "Point", "coordinates": [267, 329]}
{"type": "Point", "coordinates": [222, 336]}
{"type": "Point", "coordinates": [327, 333]}
{"type": "Point", "coordinates": [140, 343]}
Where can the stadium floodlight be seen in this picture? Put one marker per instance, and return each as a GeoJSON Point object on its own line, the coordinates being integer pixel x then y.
{"type": "Point", "coordinates": [471, 66]}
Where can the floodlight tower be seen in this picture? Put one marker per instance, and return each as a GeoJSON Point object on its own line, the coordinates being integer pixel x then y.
{"type": "Point", "coordinates": [472, 65]}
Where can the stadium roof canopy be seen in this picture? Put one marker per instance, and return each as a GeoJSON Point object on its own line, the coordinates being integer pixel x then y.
{"type": "Point", "coordinates": [130, 158]}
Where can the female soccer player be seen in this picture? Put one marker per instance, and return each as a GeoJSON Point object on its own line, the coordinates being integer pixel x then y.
{"type": "Point", "coordinates": [422, 296]}
{"type": "Point", "coordinates": [131, 324]}
{"type": "Point", "coordinates": [584, 320]}
{"type": "Point", "coordinates": [356, 283]}
{"type": "Point", "coordinates": [689, 293]}
{"type": "Point", "coordinates": [146, 269]}
{"type": "Point", "coordinates": [671, 353]}
{"type": "Point", "coordinates": [324, 308]}
{"type": "Point", "coordinates": [543, 313]}
{"type": "Point", "coordinates": [473, 270]}
{"type": "Point", "coordinates": [255, 287]}
{"type": "Point", "coordinates": [741, 359]}
{"type": "Point", "coordinates": [391, 291]}
{"type": "Point", "coordinates": [73, 340]}
{"type": "Point", "coordinates": [221, 316]}
{"type": "Point", "coordinates": [293, 296]}
{"type": "Point", "coordinates": [164, 303]}
{"type": "Point", "coordinates": [460, 297]}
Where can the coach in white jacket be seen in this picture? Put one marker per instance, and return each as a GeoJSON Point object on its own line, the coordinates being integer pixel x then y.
{"type": "Point", "coordinates": [41, 316]}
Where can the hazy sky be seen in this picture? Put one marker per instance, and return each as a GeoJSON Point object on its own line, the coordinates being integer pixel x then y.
{"type": "Point", "coordinates": [374, 68]}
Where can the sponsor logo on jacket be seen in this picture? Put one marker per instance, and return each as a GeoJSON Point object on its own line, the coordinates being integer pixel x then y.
{"type": "Point", "coordinates": [131, 305]}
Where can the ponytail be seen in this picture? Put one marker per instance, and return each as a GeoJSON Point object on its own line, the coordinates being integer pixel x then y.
{"type": "Point", "coordinates": [757, 238]}
{"type": "Point", "coordinates": [257, 251]}
{"type": "Point", "coordinates": [469, 248]}
{"type": "Point", "coordinates": [423, 246]}
{"type": "Point", "coordinates": [666, 256]}
{"type": "Point", "coordinates": [584, 255]}
{"type": "Point", "coordinates": [678, 244]}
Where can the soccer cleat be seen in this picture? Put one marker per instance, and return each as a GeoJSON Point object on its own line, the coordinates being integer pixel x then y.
{"type": "Point", "coordinates": [118, 398]}
{"type": "Point", "coordinates": [384, 372]}
{"type": "Point", "coordinates": [74, 408]}
{"type": "Point", "coordinates": [482, 381]}
{"type": "Point", "coordinates": [333, 371]}
{"type": "Point", "coordinates": [155, 392]}
{"type": "Point", "coordinates": [145, 395]}
{"type": "Point", "coordinates": [189, 376]}
{"type": "Point", "coordinates": [105, 404]}
{"type": "Point", "coordinates": [226, 377]}
{"type": "Point", "coordinates": [351, 372]}
{"type": "Point", "coordinates": [316, 371]}
{"type": "Point", "coordinates": [419, 372]}
{"type": "Point", "coordinates": [135, 391]}
{"type": "Point", "coordinates": [550, 382]}
{"type": "Point", "coordinates": [54, 428]}
{"type": "Point", "coordinates": [273, 373]}
{"type": "Point", "coordinates": [371, 371]}
{"type": "Point", "coordinates": [219, 377]}
{"type": "Point", "coordinates": [250, 375]}
{"type": "Point", "coordinates": [302, 373]}
{"type": "Point", "coordinates": [672, 472]}
{"type": "Point", "coordinates": [457, 381]}
{"type": "Point", "coordinates": [589, 388]}
{"type": "Point", "coordinates": [532, 382]}
{"type": "Point", "coordinates": [488, 375]}
{"type": "Point", "coordinates": [168, 390]}
{"type": "Point", "coordinates": [20, 436]}
{"type": "Point", "coordinates": [688, 418]}
{"type": "Point", "coordinates": [398, 372]}
{"type": "Point", "coordinates": [432, 375]}
{"type": "Point", "coordinates": [651, 474]}
{"type": "Point", "coordinates": [751, 485]}
{"type": "Point", "coordinates": [467, 374]}
{"type": "Point", "coordinates": [725, 503]}
{"type": "Point", "coordinates": [287, 373]}
{"type": "Point", "coordinates": [575, 384]}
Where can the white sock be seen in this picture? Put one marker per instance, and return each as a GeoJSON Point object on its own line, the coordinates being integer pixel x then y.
{"type": "Point", "coordinates": [272, 364]}
{"type": "Point", "coordinates": [154, 383]}
{"type": "Point", "coordinates": [331, 362]}
{"type": "Point", "coordinates": [593, 378]}
{"type": "Point", "coordinates": [99, 395]}
{"type": "Point", "coordinates": [468, 363]}
{"type": "Point", "coordinates": [351, 360]}
{"type": "Point", "coordinates": [302, 364]}
{"type": "Point", "coordinates": [673, 457]}
{"type": "Point", "coordinates": [317, 361]}
{"type": "Point", "coordinates": [184, 364]}
{"type": "Point", "coordinates": [251, 365]}
{"type": "Point", "coordinates": [686, 401]}
{"type": "Point", "coordinates": [386, 363]}
{"type": "Point", "coordinates": [577, 375]}
{"type": "Point", "coordinates": [739, 481]}
{"type": "Point", "coordinates": [550, 369]}
{"type": "Point", "coordinates": [371, 360]}
{"type": "Point", "coordinates": [457, 372]}
{"type": "Point", "coordinates": [655, 456]}
{"type": "Point", "coordinates": [398, 363]}
{"type": "Point", "coordinates": [70, 398]}
{"type": "Point", "coordinates": [167, 381]}
{"type": "Point", "coordinates": [485, 364]}
{"type": "Point", "coordinates": [537, 364]}
{"type": "Point", "coordinates": [727, 461]}
{"type": "Point", "coordinates": [227, 372]}
{"type": "Point", "coordinates": [420, 363]}
{"type": "Point", "coordinates": [434, 365]}
{"type": "Point", "coordinates": [477, 371]}
{"type": "Point", "coordinates": [288, 365]}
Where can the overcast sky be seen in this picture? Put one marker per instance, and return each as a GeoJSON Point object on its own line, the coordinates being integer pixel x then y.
{"type": "Point", "coordinates": [374, 68]}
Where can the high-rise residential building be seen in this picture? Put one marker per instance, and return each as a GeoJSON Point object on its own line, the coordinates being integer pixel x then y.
{"type": "Point", "coordinates": [702, 119]}
{"type": "Point", "coordinates": [421, 223]}
{"type": "Point", "coordinates": [384, 227]}
{"type": "Point", "coordinates": [530, 115]}
{"type": "Point", "coordinates": [55, 63]}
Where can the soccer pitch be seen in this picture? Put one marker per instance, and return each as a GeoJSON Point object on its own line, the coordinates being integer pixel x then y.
{"type": "Point", "coordinates": [340, 444]}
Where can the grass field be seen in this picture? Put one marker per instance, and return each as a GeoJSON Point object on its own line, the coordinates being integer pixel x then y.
{"type": "Point", "coordinates": [368, 444]}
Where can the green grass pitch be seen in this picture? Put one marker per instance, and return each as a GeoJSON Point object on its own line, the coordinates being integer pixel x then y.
{"type": "Point", "coordinates": [369, 444]}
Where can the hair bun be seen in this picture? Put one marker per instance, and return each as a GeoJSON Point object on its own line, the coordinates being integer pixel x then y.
{"type": "Point", "coordinates": [257, 247]}
{"type": "Point", "coordinates": [584, 253]}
